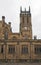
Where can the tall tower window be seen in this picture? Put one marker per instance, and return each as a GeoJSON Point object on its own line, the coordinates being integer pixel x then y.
{"type": "Point", "coordinates": [23, 19]}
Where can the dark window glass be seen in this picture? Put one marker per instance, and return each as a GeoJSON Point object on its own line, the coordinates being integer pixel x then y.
{"type": "Point", "coordinates": [23, 19]}
{"type": "Point", "coordinates": [24, 50]}
{"type": "Point", "coordinates": [1, 49]}
{"type": "Point", "coordinates": [38, 49]}
{"type": "Point", "coordinates": [6, 35]}
{"type": "Point", "coordinates": [11, 49]}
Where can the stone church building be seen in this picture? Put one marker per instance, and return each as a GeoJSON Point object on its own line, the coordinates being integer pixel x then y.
{"type": "Point", "coordinates": [19, 47]}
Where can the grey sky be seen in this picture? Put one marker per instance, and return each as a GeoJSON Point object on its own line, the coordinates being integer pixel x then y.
{"type": "Point", "coordinates": [11, 9]}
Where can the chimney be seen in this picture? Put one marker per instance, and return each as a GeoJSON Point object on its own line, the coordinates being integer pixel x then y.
{"type": "Point", "coordinates": [10, 24]}
{"type": "Point", "coordinates": [3, 18]}
{"type": "Point", "coordinates": [35, 37]}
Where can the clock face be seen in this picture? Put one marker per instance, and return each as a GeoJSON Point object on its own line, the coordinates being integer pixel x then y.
{"type": "Point", "coordinates": [25, 28]}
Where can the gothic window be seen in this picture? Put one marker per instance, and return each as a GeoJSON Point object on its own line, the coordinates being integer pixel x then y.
{"type": "Point", "coordinates": [11, 49]}
{"type": "Point", "coordinates": [23, 19]}
{"type": "Point", "coordinates": [38, 49]}
{"type": "Point", "coordinates": [27, 20]}
{"type": "Point", "coordinates": [6, 35]}
{"type": "Point", "coordinates": [1, 49]}
{"type": "Point", "coordinates": [24, 49]}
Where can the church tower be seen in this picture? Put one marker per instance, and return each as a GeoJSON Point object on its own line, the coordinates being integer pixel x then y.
{"type": "Point", "coordinates": [25, 24]}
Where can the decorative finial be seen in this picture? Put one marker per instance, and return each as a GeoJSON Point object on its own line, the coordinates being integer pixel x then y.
{"type": "Point", "coordinates": [25, 10]}
{"type": "Point", "coordinates": [29, 9]}
{"type": "Point", "coordinates": [20, 9]}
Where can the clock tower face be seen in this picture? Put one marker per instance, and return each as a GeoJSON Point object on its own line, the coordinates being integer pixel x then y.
{"type": "Point", "coordinates": [25, 28]}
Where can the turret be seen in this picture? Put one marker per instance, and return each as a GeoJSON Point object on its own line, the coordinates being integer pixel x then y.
{"type": "Point", "coordinates": [25, 24]}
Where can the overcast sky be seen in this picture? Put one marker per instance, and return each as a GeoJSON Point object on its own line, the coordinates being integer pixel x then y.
{"type": "Point", "coordinates": [11, 9]}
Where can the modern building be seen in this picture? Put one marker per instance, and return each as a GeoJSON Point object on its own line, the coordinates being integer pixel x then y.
{"type": "Point", "coordinates": [19, 47]}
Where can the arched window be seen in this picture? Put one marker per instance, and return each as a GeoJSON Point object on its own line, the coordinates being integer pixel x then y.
{"type": "Point", "coordinates": [6, 35]}
{"type": "Point", "coordinates": [23, 19]}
